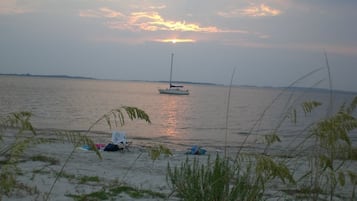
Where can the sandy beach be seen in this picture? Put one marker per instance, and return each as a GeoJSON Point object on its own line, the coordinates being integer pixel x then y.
{"type": "Point", "coordinates": [85, 173]}
{"type": "Point", "coordinates": [132, 167]}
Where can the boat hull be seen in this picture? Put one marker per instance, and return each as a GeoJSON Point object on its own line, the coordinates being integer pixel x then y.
{"type": "Point", "coordinates": [174, 91]}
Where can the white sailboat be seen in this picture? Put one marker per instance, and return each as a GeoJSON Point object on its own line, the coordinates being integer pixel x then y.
{"type": "Point", "coordinates": [174, 89]}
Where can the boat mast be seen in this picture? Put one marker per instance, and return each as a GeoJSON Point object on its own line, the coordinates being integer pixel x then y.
{"type": "Point", "coordinates": [172, 60]}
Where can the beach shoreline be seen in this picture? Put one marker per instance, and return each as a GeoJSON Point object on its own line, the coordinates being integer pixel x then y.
{"type": "Point", "coordinates": [132, 168]}
{"type": "Point", "coordinates": [85, 173]}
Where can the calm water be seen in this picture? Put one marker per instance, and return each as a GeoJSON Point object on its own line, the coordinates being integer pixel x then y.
{"type": "Point", "coordinates": [178, 121]}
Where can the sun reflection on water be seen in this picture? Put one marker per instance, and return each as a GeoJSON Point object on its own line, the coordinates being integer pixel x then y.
{"type": "Point", "coordinates": [171, 108]}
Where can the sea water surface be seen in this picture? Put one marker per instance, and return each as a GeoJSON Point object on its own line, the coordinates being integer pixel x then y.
{"type": "Point", "coordinates": [202, 118]}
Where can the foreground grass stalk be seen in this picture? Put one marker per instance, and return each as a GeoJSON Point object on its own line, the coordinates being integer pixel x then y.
{"type": "Point", "coordinates": [21, 122]}
{"type": "Point", "coordinates": [12, 152]}
{"type": "Point", "coordinates": [115, 116]}
{"type": "Point", "coordinates": [227, 113]}
{"type": "Point", "coordinates": [261, 116]}
{"type": "Point", "coordinates": [327, 173]}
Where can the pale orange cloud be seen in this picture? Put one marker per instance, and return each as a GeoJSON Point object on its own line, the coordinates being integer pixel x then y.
{"type": "Point", "coordinates": [157, 7]}
{"type": "Point", "coordinates": [103, 12]}
{"type": "Point", "coordinates": [109, 13]}
{"type": "Point", "coordinates": [261, 10]}
{"type": "Point", "coordinates": [11, 7]}
{"type": "Point", "coordinates": [146, 21]}
{"type": "Point", "coordinates": [90, 13]}
{"type": "Point", "coordinates": [152, 21]}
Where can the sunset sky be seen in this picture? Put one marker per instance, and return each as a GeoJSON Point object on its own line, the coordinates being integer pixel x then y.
{"type": "Point", "coordinates": [269, 43]}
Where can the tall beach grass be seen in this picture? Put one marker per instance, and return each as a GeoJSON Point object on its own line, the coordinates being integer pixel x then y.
{"type": "Point", "coordinates": [315, 165]}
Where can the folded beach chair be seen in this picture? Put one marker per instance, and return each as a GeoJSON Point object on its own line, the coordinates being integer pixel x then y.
{"type": "Point", "coordinates": [119, 138]}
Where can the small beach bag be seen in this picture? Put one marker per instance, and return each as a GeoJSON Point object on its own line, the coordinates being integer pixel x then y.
{"type": "Point", "coordinates": [111, 147]}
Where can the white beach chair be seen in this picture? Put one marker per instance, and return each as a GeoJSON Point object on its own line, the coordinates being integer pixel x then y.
{"type": "Point", "coordinates": [119, 138]}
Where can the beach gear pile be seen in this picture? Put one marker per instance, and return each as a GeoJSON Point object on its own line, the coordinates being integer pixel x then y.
{"type": "Point", "coordinates": [111, 147]}
{"type": "Point", "coordinates": [196, 150]}
{"type": "Point", "coordinates": [118, 143]}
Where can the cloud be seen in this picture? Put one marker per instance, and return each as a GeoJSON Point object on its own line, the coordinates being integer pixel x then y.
{"type": "Point", "coordinates": [157, 7]}
{"type": "Point", "coordinates": [103, 12]}
{"type": "Point", "coordinates": [152, 22]}
{"type": "Point", "coordinates": [10, 7]}
{"type": "Point", "coordinates": [109, 13]}
{"type": "Point", "coordinates": [261, 10]}
{"type": "Point", "coordinates": [146, 21]}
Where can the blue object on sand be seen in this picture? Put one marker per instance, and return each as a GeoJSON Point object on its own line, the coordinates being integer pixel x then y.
{"type": "Point", "coordinates": [196, 150]}
{"type": "Point", "coordinates": [86, 147]}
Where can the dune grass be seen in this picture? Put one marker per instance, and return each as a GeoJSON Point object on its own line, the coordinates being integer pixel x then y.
{"type": "Point", "coordinates": [117, 191]}
{"type": "Point", "coordinates": [46, 159]}
{"type": "Point", "coordinates": [327, 152]}
{"type": "Point", "coordinates": [325, 174]}
{"type": "Point", "coordinates": [26, 137]}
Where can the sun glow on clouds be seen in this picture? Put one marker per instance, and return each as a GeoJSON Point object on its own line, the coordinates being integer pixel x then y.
{"type": "Point", "coordinates": [146, 21]}
{"type": "Point", "coordinates": [153, 21]}
{"type": "Point", "coordinates": [261, 10]}
{"type": "Point", "coordinates": [176, 40]}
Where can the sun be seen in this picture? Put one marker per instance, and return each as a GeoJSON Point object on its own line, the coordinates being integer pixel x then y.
{"type": "Point", "coordinates": [176, 40]}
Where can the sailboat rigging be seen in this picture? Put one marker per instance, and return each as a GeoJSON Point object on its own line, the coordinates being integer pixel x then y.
{"type": "Point", "coordinates": [174, 89]}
